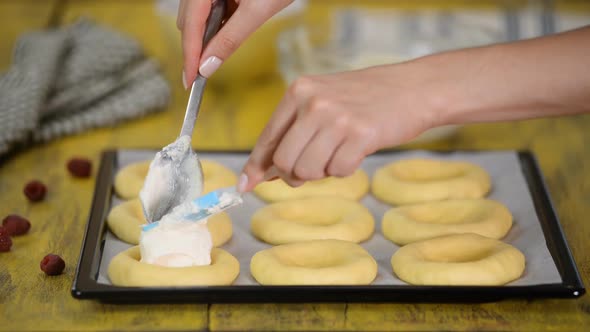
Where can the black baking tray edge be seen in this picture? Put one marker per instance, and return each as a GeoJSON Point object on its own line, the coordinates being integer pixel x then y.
{"type": "Point", "coordinates": [85, 285]}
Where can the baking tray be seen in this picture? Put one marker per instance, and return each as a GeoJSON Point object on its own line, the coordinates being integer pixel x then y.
{"type": "Point", "coordinates": [566, 282]}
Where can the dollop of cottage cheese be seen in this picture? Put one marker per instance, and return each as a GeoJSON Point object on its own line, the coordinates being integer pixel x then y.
{"type": "Point", "coordinates": [177, 244]}
{"type": "Point", "coordinates": [174, 242]}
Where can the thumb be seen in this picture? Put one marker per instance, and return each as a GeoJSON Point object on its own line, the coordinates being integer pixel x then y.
{"type": "Point", "coordinates": [248, 17]}
{"type": "Point", "coordinates": [252, 174]}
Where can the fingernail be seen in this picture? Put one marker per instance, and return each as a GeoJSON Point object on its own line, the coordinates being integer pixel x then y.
{"type": "Point", "coordinates": [209, 66]}
{"type": "Point", "coordinates": [184, 80]}
{"type": "Point", "coordinates": [242, 183]}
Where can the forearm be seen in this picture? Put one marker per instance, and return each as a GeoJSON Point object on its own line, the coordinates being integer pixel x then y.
{"type": "Point", "coordinates": [547, 76]}
{"type": "Point", "coordinates": [326, 124]}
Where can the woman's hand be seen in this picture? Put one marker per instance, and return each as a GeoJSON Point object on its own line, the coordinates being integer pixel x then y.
{"type": "Point", "coordinates": [326, 125]}
{"type": "Point", "coordinates": [242, 19]}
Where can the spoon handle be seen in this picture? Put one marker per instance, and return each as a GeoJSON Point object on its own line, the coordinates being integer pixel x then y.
{"type": "Point", "coordinates": [198, 86]}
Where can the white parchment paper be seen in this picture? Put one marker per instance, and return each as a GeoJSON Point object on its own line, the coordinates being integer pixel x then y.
{"type": "Point", "coordinates": [508, 186]}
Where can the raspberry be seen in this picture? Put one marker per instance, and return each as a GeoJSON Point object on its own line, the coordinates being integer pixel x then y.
{"type": "Point", "coordinates": [35, 190]}
{"type": "Point", "coordinates": [5, 243]}
{"type": "Point", "coordinates": [52, 265]}
{"type": "Point", "coordinates": [16, 225]}
{"type": "Point", "coordinates": [4, 231]}
{"type": "Point", "coordinates": [80, 167]}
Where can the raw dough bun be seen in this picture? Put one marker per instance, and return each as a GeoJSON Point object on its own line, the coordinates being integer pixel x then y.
{"type": "Point", "coordinates": [418, 222]}
{"type": "Point", "coordinates": [129, 180]}
{"type": "Point", "coordinates": [458, 259]}
{"type": "Point", "coordinates": [315, 218]}
{"type": "Point", "coordinates": [217, 176]}
{"type": "Point", "coordinates": [352, 187]}
{"type": "Point", "coordinates": [317, 262]}
{"type": "Point", "coordinates": [125, 222]}
{"type": "Point", "coordinates": [424, 180]}
{"type": "Point", "coordinates": [126, 269]}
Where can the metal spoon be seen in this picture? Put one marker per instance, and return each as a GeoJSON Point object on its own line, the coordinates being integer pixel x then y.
{"type": "Point", "coordinates": [173, 162]}
{"type": "Point", "coordinates": [194, 100]}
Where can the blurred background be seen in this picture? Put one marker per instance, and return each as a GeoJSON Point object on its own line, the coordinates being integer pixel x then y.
{"type": "Point", "coordinates": [311, 36]}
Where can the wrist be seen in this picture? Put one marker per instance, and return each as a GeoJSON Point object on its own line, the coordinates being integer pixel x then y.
{"type": "Point", "coordinates": [453, 88]}
{"type": "Point", "coordinates": [414, 100]}
{"type": "Point", "coordinates": [436, 89]}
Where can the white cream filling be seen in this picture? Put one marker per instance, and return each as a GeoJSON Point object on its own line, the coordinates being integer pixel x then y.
{"type": "Point", "coordinates": [156, 186]}
{"type": "Point", "coordinates": [177, 244]}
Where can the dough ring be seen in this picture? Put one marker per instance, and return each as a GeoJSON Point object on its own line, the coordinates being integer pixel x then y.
{"type": "Point", "coordinates": [424, 221]}
{"type": "Point", "coordinates": [318, 262]}
{"type": "Point", "coordinates": [352, 187]}
{"type": "Point", "coordinates": [458, 259]}
{"type": "Point", "coordinates": [126, 269]}
{"type": "Point", "coordinates": [424, 180]}
{"type": "Point", "coordinates": [313, 219]}
{"type": "Point", "coordinates": [129, 180]}
{"type": "Point", "coordinates": [125, 220]}
{"type": "Point", "coordinates": [217, 176]}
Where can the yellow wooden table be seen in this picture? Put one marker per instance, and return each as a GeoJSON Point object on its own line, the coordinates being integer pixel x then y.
{"type": "Point", "coordinates": [232, 120]}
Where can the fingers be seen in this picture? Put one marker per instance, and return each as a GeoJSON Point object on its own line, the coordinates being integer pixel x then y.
{"type": "Point", "coordinates": [314, 159]}
{"type": "Point", "coordinates": [347, 159]}
{"type": "Point", "coordinates": [271, 174]}
{"type": "Point", "coordinates": [360, 141]}
{"type": "Point", "coordinates": [292, 145]}
{"type": "Point", "coordinates": [181, 14]}
{"type": "Point", "coordinates": [196, 13]}
{"type": "Point", "coordinates": [274, 174]}
{"type": "Point", "coordinates": [260, 159]}
{"type": "Point", "coordinates": [314, 133]}
{"type": "Point", "coordinates": [248, 17]}
{"type": "Point", "coordinates": [230, 9]}
{"type": "Point", "coordinates": [192, 18]}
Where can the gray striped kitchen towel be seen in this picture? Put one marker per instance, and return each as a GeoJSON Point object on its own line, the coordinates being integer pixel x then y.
{"type": "Point", "coordinates": [68, 80]}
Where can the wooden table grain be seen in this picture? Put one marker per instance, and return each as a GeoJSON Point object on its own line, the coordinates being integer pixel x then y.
{"type": "Point", "coordinates": [31, 301]}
